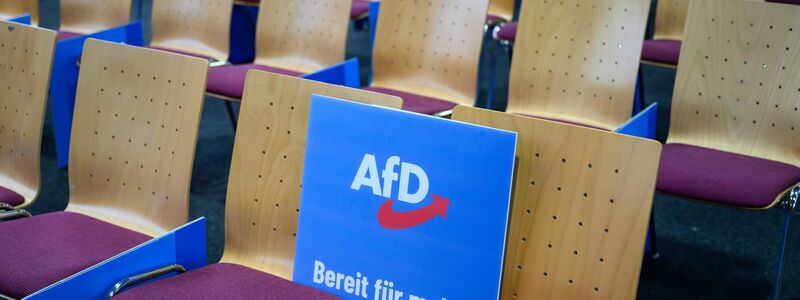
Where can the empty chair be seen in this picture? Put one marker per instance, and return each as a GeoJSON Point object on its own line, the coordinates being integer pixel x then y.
{"type": "Point", "coordinates": [358, 11]}
{"type": "Point", "coordinates": [500, 11]}
{"type": "Point", "coordinates": [665, 47]}
{"type": "Point", "coordinates": [81, 17]}
{"type": "Point", "coordinates": [580, 211]}
{"type": "Point", "coordinates": [136, 121]}
{"type": "Point", "coordinates": [263, 198]}
{"type": "Point", "coordinates": [25, 60]}
{"type": "Point", "coordinates": [427, 52]}
{"type": "Point", "coordinates": [734, 136]}
{"type": "Point", "coordinates": [10, 9]}
{"type": "Point", "coordinates": [580, 61]}
{"type": "Point", "coordinates": [200, 29]}
{"type": "Point", "coordinates": [293, 38]}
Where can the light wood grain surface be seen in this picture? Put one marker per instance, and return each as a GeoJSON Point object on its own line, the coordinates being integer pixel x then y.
{"type": "Point", "coordinates": [430, 48]}
{"type": "Point", "coordinates": [194, 26]}
{"type": "Point", "coordinates": [738, 82]}
{"type": "Point", "coordinates": [670, 19]}
{"type": "Point", "coordinates": [89, 16]}
{"type": "Point", "coordinates": [14, 8]}
{"type": "Point", "coordinates": [26, 57]}
{"type": "Point", "coordinates": [263, 200]}
{"type": "Point", "coordinates": [302, 36]}
{"type": "Point", "coordinates": [580, 60]}
{"type": "Point", "coordinates": [580, 209]}
{"type": "Point", "coordinates": [137, 113]}
{"type": "Point", "coordinates": [502, 8]}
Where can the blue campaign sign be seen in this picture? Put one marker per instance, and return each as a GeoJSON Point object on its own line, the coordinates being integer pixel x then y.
{"type": "Point", "coordinates": [397, 205]}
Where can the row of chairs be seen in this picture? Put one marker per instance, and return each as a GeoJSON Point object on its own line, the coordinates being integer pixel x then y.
{"type": "Point", "coordinates": [755, 128]}
{"type": "Point", "coordinates": [134, 135]}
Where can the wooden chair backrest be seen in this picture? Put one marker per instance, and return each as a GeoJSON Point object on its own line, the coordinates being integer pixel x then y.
{"type": "Point", "coordinates": [580, 62]}
{"type": "Point", "coordinates": [137, 113]}
{"type": "Point", "coordinates": [579, 217]}
{"type": "Point", "coordinates": [302, 36]}
{"type": "Point", "coordinates": [431, 48]}
{"type": "Point", "coordinates": [89, 16]}
{"type": "Point", "coordinates": [200, 27]}
{"type": "Point", "coordinates": [670, 19]}
{"type": "Point", "coordinates": [14, 8]}
{"type": "Point", "coordinates": [26, 58]}
{"type": "Point", "coordinates": [263, 199]}
{"type": "Point", "coordinates": [738, 84]}
{"type": "Point", "coordinates": [502, 8]}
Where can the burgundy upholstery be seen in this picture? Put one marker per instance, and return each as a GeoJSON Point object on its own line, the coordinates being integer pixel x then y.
{"type": "Point", "coordinates": [723, 177]}
{"type": "Point", "coordinates": [229, 80]}
{"type": "Point", "coordinates": [47, 248]}
{"type": "Point", "coordinates": [223, 281]}
{"type": "Point", "coordinates": [795, 2]}
{"type": "Point", "coordinates": [63, 35]}
{"type": "Point", "coordinates": [359, 9]}
{"type": "Point", "coordinates": [417, 103]}
{"type": "Point", "coordinates": [508, 32]}
{"type": "Point", "coordinates": [662, 51]}
{"type": "Point", "coordinates": [10, 197]}
{"type": "Point", "coordinates": [182, 53]}
{"type": "Point", "coordinates": [492, 19]}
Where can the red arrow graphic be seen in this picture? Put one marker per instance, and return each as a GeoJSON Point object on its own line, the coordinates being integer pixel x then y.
{"type": "Point", "coordinates": [391, 219]}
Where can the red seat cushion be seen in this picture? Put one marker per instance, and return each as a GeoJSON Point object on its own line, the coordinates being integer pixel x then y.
{"type": "Point", "coordinates": [182, 53]}
{"type": "Point", "coordinates": [47, 248]}
{"type": "Point", "coordinates": [359, 9]}
{"type": "Point", "coordinates": [508, 31]}
{"type": "Point", "coordinates": [662, 51]}
{"type": "Point", "coordinates": [723, 177]}
{"type": "Point", "coordinates": [224, 281]}
{"type": "Point", "coordinates": [10, 197]}
{"type": "Point", "coordinates": [417, 103]}
{"type": "Point", "coordinates": [64, 35]}
{"type": "Point", "coordinates": [229, 80]}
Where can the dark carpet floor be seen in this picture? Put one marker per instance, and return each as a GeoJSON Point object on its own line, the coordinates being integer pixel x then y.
{"type": "Point", "coordinates": [706, 252]}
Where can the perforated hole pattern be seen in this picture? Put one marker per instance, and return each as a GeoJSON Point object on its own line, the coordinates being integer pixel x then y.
{"type": "Point", "coordinates": [306, 35]}
{"type": "Point", "coordinates": [430, 47]}
{"type": "Point", "coordinates": [136, 118]}
{"type": "Point", "coordinates": [581, 59]}
{"type": "Point", "coordinates": [739, 88]}
{"type": "Point", "coordinates": [25, 58]}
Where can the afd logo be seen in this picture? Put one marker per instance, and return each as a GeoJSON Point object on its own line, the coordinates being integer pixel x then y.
{"type": "Point", "coordinates": [367, 175]}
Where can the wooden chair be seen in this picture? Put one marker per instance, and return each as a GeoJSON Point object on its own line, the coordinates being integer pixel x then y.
{"type": "Point", "coordinates": [136, 121]}
{"type": "Point", "coordinates": [199, 29]}
{"type": "Point", "coordinates": [500, 11]}
{"type": "Point", "coordinates": [81, 17]}
{"type": "Point", "coordinates": [580, 211]}
{"type": "Point", "coordinates": [14, 8]}
{"type": "Point", "coordinates": [263, 198]}
{"type": "Point", "coordinates": [663, 50]}
{"type": "Point", "coordinates": [734, 136]}
{"type": "Point", "coordinates": [581, 61]}
{"type": "Point", "coordinates": [427, 52]}
{"type": "Point", "coordinates": [26, 61]}
{"type": "Point", "coordinates": [293, 38]}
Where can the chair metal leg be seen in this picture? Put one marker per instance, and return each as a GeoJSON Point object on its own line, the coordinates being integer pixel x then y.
{"type": "Point", "coordinates": [231, 113]}
{"type": "Point", "coordinates": [5, 206]}
{"type": "Point", "coordinates": [14, 214]}
{"type": "Point", "coordinates": [790, 205]}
